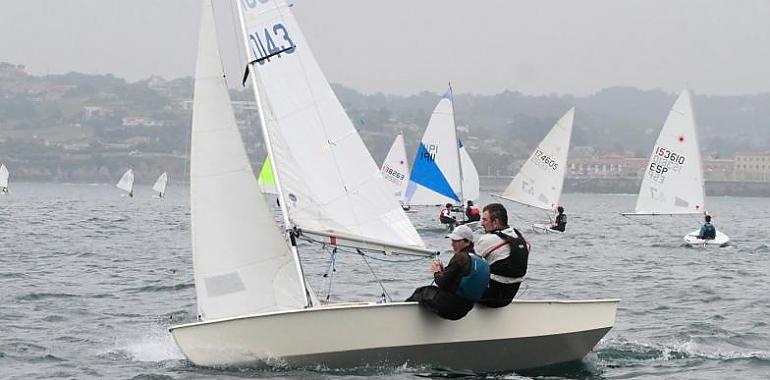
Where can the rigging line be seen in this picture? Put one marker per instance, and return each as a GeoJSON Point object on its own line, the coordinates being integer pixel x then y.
{"type": "Point", "coordinates": [384, 291]}
{"type": "Point", "coordinates": [330, 273]}
{"type": "Point", "coordinates": [650, 226]}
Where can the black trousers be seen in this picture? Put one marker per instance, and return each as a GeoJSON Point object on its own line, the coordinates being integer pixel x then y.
{"type": "Point", "coordinates": [499, 294]}
{"type": "Point", "coordinates": [445, 304]}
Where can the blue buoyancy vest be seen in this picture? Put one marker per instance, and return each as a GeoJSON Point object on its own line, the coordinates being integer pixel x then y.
{"type": "Point", "coordinates": [474, 284]}
{"type": "Point", "coordinates": [708, 231]}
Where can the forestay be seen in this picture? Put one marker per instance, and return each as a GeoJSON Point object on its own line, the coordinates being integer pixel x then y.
{"type": "Point", "coordinates": [242, 262]}
{"type": "Point", "coordinates": [160, 184]}
{"type": "Point", "coordinates": [673, 178]}
{"type": "Point", "coordinates": [435, 177]}
{"type": "Point", "coordinates": [539, 182]}
{"type": "Point", "coordinates": [395, 168]}
{"type": "Point", "coordinates": [126, 182]}
{"type": "Point", "coordinates": [328, 180]}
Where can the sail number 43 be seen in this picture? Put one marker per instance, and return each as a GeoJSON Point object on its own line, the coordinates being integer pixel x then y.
{"type": "Point", "coordinates": [263, 42]}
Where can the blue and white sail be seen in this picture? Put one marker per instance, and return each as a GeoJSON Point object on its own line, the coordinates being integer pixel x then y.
{"type": "Point", "coordinates": [436, 172]}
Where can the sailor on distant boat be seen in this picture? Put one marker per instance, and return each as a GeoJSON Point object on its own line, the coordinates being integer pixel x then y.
{"type": "Point", "coordinates": [507, 253]}
{"type": "Point", "coordinates": [707, 231]}
{"type": "Point", "coordinates": [560, 224]}
{"type": "Point", "coordinates": [460, 284]}
{"type": "Point", "coordinates": [445, 217]}
{"type": "Point", "coordinates": [472, 213]}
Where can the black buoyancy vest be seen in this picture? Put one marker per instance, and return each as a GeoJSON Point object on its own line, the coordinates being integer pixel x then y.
{"type": "Point", "coordinates": [515, 265]}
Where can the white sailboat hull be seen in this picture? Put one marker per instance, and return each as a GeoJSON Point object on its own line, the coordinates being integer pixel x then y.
{"type": "Point", "coordinates": [545, 228]}
{"type": "Point", "coordinates": [525, 334]}
{"type": "Point", "coordinates": [720, 240]}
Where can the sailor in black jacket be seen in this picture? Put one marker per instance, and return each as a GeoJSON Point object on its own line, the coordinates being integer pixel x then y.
{"type": "Point", "coordinates": [460, 284]}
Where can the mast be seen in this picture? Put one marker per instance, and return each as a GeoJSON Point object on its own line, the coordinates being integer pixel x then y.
{"type": "Point", "coordinates": [288, 226]}
{"type": "Point", "coordinates": [457, 145]}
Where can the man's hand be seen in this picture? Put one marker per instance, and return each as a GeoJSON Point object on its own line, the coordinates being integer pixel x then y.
{"type": "Point", "coordinates": [435, 266]}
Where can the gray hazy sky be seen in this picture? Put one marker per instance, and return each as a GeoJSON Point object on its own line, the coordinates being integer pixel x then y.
{"type": "Point", "coordinates": [405, 46]}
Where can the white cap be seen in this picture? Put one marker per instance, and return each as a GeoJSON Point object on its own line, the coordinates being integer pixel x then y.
{"type": "Point", "coordinates": [461, 232]}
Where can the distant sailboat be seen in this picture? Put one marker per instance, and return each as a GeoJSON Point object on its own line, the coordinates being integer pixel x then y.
{"type": "Point", "coordinates": [126, 182]}
{"type": "Point", "coordinates": [4, 179]}
{"type": "Point", "coordinates": [673, 178]}
{"type": "Point", "coordinates": [266, 180]}
{"type": "Point", "coordinates": [254, 305]}
{"type": "Point", "coordinates": [442, 172]}
{"type": "Point", "coordinates": [540, 180]}
{"type": "Point", "coordinates": [395, 169]}
{"type": "Point", "coordinates": [160, 185]}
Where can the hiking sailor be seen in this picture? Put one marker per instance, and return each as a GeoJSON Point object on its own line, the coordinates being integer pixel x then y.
{"type": "Point", "coordinates": [507, 253]}
{"type": "Point", "coordinates": [445, 217]}
{"type": "Point", "coordinates": [460, 284]}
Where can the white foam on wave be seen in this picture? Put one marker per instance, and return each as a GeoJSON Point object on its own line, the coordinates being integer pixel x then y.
{"type": "Point", "coordinates": [156, 345]}
{"type": "Point", "coordinates": [689, 349]}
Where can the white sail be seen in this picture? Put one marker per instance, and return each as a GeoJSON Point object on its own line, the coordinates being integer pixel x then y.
{"type": "Point", "coordinates": [160, 184]}
{"type": "Point", "coordinates": [673, 178]}
{"type": "Point", "coordinates": [470, 175]}
{"type": "Point", "coordinates": [126, 182]}
{"type": "Point", "coordinates": [395, 169]}
{"type": "Point", "coordinates": [3, 176]}
{"type": "Point", "coordinates": [435, 177]}
{"type": "Point", "coordinates": [539, 182]}
{"type": "Point", "coordinates": [328, 179]}
{"type": "Point", "coordinates": [242, 263]}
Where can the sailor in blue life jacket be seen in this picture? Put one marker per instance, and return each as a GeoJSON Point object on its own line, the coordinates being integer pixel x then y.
{"type": "Point", "coordinates": [560, 224]}
{"type": "Point", "coordinates": [507, 253]}
{"type": "Point", "coordinates": [707, 231]}
{"type": "Point", "coordinates": [458, 286]}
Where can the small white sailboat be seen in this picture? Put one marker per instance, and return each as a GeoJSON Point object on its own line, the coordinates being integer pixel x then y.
{"type": "Point", "coordinates": [4, 174]}
{"type": "Point", "coordinates": [442, 171]}
{"type": "Point", "coordinates": [254, 305]}
{"type": "Point", "coordinates": [126, 182]}
{"type": "Point", "coordinates": [160, 185]}
{"type": "Point", "coordinates": [540, 180]}
{"type": "Point", "coordinates": [395, 169]}
{"type": "Point", "coordinates": [673, 178]}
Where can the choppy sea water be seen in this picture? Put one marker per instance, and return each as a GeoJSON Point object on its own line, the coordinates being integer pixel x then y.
{"type": "Point", "coordinates": [90, 281]}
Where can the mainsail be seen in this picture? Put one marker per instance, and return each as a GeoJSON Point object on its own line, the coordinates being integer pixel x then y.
{"type": "Point", "coordinates": [470, 175]}
{"type": "Point", "coordinates": [160, 184]}
{"type": "Point", "coordinates": [126, 182]}
{"type": "Point", "coordinates": [242, 263]}
{"type": "Point", "coordinates": [435, 177]}
{"type": "Point", "coordinates": [673, 178]}
{"type": "Point", "coordinates": [327, 180]}
{"type": "Point", "coordinates": [266, 180]}
{"type": "Point", "coordinates": [3, 176]}
{"type": "Point", "coordinates": [395, 169]}
{"type": "Point", "coordinates": [539, 182]}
